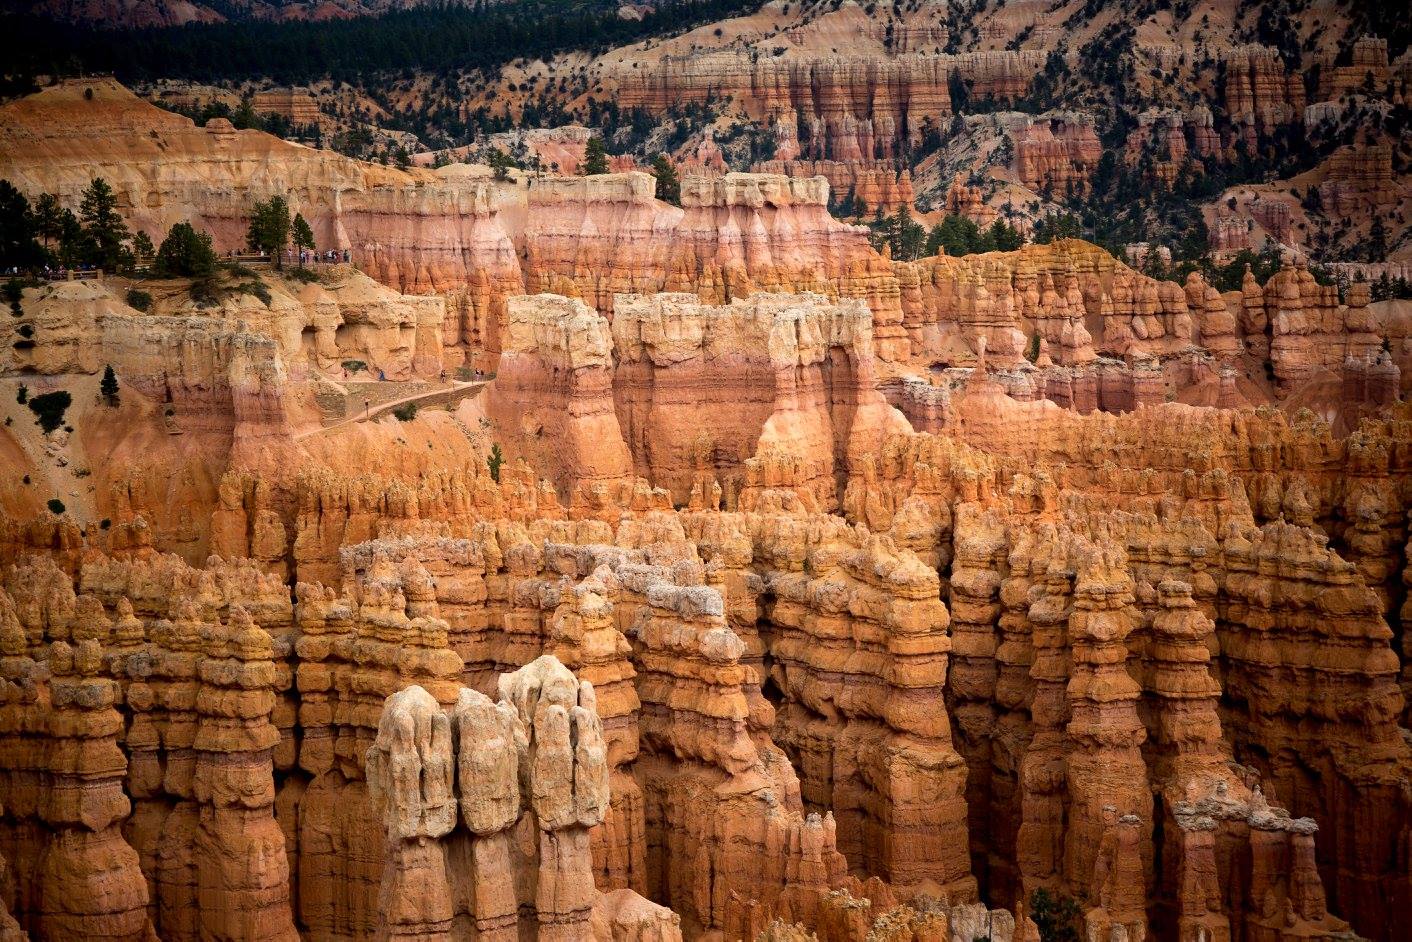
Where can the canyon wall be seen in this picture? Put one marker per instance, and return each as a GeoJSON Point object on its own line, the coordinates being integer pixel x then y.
{"type": "Point", "coordinates": [457, 231]}
{"type": "Point", "coordinates": [949, 680]}
{"type": "Point", "coordinates": [687, 394]}
{"type": "Point", "coordinates": [820, 594]}
{"type": "Point", "coordinates": [477, 241]}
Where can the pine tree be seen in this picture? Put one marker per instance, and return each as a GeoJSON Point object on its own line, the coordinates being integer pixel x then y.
{"type": "Point", "coordinates": [668, 183]}
{"type": "Point", "coordinates": [185, 253]}
{"type": "Point", "coordinates": [1004, 237]}
{"type": "Point", "coordinates": [108, 386]}
{"type": "Point", "coordinates": [501, 163]}
{"type": "Point", "coordinates": [48, 218]}
{"type": "Point", "coordinates": [910, 238]}
{"type": "Point", "coordinates": [245, 117]}
{"type": "Point", "coordinates": [142, 245]}
{"type": "Point", "coordinates": [104, 227]}
{"type": "Point", "coordinates": [18, 246]}
{"type": "Point", "coordinates": [1377, 240]}
{"type": "Point", "coordinates": [303, 235]}
{"type": "Point", "coordinates": [75, 244]}
{"type": "Point", "coordinates": [595, 158]}
{"type": "Point", "coordinates": [269, 228]}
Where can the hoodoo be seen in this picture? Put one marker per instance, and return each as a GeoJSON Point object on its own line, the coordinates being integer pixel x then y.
{"type": "Point", "coordinates": [722, 471]}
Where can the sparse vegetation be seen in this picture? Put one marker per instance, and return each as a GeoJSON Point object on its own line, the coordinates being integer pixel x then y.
{"type": "Point", "coordinates": [904, 238]}
{"type": "Point", "coordinates": [142, 245]}
{"type": "Point", "coordinates": [438, 38]}
{"type": "Point", "coordinates": [405, 412]}
{"type": "Point", "coordinates": [138, 299]}
{"type": "Point", "coordinates": [256, 288]}
{"type": "Point", "coordinates": [49, 409]}
{"type": "Point", "coordinates": [14, 293]}
{"type": "Point", "coordinates": [104, 227]}
{"type": "Point", "coordinates": [56, 506]}
{"type": "Point", "coordinates": [19, 242]}
{"type": "Point", "coordinates": [1056, 915]}
{"type": "Point", "coordinates": [108, 387]}
{"type": "Point", "coordinates": [494, 460]}
{"type": "Point", "coordinates": [957, 236]}
{"type": "Point", "coordinates": [302, 235]}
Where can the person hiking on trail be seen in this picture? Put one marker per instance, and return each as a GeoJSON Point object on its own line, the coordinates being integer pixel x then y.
{"type": "Point", "coordinates": [382, 377]}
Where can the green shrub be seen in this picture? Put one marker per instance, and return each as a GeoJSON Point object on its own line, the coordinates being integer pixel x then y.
{"type": "Point", "coordinates": [1056, 915]}
{"type": "Point", "coordinates": [14, 294]}
{"type": "Point", "coordinates": [258, 288]}
{"type": "Point", "coordinates": [49, 409]}
{"type": "Point", "coordinates": [56, 506]}
{"type": "Point", "coordinates": [204, 291]}
{"type": "Point", "coordinates": [22, 394]}
{"type": "Point", "coordinates": [406, 412]}
{"type": "Point", "coordinates": [140, 300]}
{"type": "Point", "coordinates": [104, 524]}
{"type": "Point", "coordinates": [494, 461]}
{"type": "Point", "coordinates": [185, 253]}
{"type": "Point", "coordinates": [354, 366]}
{"type": "Point", "coordinates": [306, 275]}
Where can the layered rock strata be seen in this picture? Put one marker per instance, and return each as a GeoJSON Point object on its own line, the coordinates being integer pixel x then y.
{"type": "Point", "coordinates": [463, 789]}
{"type": "Point", "coordinates": [596, 408]}
{"type": "Point", "coordinates": [867, 187]}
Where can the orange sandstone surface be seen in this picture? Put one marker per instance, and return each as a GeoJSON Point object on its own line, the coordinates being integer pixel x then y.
{"type": "Point", "coordinates": [771, 589]}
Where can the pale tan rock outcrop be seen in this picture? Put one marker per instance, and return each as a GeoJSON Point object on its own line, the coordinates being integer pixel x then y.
{"type": "Point", "coordinates": [734, 235]}
{"type": "Point", "coordinates": [847, 107]}
{"type": "Point", "coordinates": [860, 669]}
{"type": "Point", "coordinates": [471, 785]}
{"type": "Point", "coordinates": [748, 667]}
{"type": "Point", "coordinates": [456, 231]}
